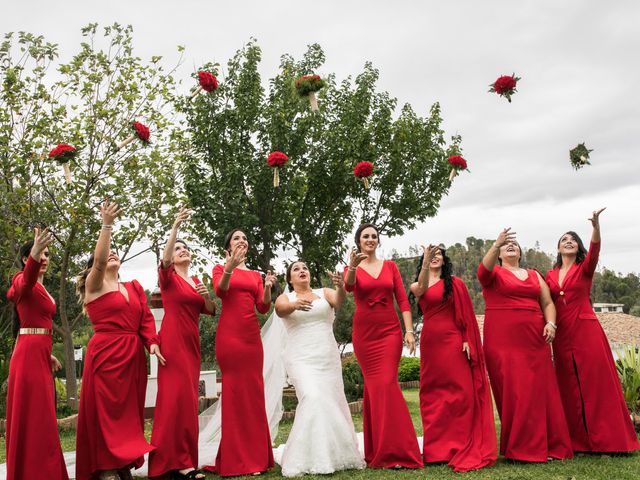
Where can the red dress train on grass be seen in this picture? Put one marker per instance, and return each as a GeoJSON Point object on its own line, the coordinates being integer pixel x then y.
{"type": "Point", "coordinates": [245, 444]}
{"type": "Point", "coordinates": [175, 422]}
{"type": "Point", "coordinates": [455, 397]}
{"type": "Point", "coordinates": [32, 441]}
{"type": "Point", "coordinates": [110, 432]}
{"type": "Point", "coordinates": [389, 436]}
{"type": "Point", "coordinates": [520, 368]}
{"type": "Point", "coordinates": [589, 385]}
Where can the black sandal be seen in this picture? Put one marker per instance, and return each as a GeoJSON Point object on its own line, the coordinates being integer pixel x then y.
{"type": "Point", "coordinates": [192, 475]}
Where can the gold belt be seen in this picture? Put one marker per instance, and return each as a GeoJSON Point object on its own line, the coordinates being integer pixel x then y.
{"type": "Point", "coordinates": [35, 331]}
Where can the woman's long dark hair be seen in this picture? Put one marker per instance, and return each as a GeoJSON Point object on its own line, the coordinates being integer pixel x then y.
{"type": "Point", "coordinates": [81, 280]}
{"type": "Point", "coordinates": [446, 273]}
{"type": "Point", "coordinates": [582, 251]}
{"type": "Point", "coordinates": [25, 251]}
{"type": "Point", "coordinates": [229, 236]}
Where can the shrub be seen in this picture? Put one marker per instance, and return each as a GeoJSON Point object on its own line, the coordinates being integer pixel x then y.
{"type": "Point", "coordinates": [628, 365]}
{"type": "Point", "coordinates": [352, 378]}
{"type": "Point", "coordinates": [409, 369]}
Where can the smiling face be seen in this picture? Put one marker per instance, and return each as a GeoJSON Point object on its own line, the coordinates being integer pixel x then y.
{"type": "Point", "coordinates": [568, 244]}
{"type": "Point", "coordinates": [437, 261]}
{"type": "Point", "coordinates": [368, 240]}
{"type": "Point", "coordinates": [113, 261]}
{"type": "Point", "coordinates": [238, 238]}
{"type": "Point", "coordinates": [298, 275]}
{"type": "Point", "coordinates": [510, 251]}
{"type": "Point", "coordinates": [181, 254]}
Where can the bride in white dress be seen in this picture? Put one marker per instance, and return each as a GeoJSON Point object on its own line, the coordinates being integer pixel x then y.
{"type": "Point", "coordinates": [322, 439]}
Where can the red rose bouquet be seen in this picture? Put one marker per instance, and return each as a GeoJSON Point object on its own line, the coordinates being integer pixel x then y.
{"type": "Point", "coordinates": [307, 86]}
{"type": "Point", "coordinates": [579, 156]}
{"type": "Point", "coordinates": [207, 82]}
{"type": "Point", "coordinates": [63, 153]}
{"type": "Point", "coordinates": [275, 161]}
{"type": "Point", "coordinates": [363, 170]}
{"type": "Point", "coordinates": [140, 131]}
{"type": "Point", "coordinates": [505, 86]}
{"type": "Point", "coordinates": [457, 163]}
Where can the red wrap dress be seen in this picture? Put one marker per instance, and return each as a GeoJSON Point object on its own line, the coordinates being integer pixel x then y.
{"type": "Point", "coordinates": [520, 368]}
{"type": "Point", "coordinates": [110, 432]}
{"type": "Point", "coordinates": [589, 385]}
{"type": "Point", "coordinates": [455, 397]}
{"type": "Point", "coordinates": [245, 444]}
{"type": "Point", "coordinates": [32, 441]}
{"type": "Point", "coordinates": [389, 436]}
{"type": "Point", "coordinates": [175, 422]}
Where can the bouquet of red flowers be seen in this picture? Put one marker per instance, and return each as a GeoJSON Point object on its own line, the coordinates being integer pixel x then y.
{"type": "Point", "coordinates": [63, 153]}
{"type": "Point", "coordinates": [457, 163]}
{"type": "Point", "coordinates": [207, 83]}
{"type": "Point", "coordinates": [363, 170]}
{"type": "Point", "coordinates": [307, 86]}
{"type": "Point", "coordinates": [275, 161]}
{"type": "Point", "coordinates": [505, 86]}
{"type": "Point", "coordinates": [140, 131]}
{"type": "Point", "coordinates": [579, 156]}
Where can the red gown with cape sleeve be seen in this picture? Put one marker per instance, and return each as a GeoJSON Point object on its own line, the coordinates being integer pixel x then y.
{"type": "Point", "coordinates": [455, 397]}
{"type": "Point", "coordinates": [589, 385]}
{"type": "Point", "coordinates": [32, 441]}
{"type": "Point", "coordinates": [110, 433]}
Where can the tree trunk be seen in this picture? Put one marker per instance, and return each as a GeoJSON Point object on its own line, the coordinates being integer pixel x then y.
{"type": "Point", "coordinates": [70, 369]}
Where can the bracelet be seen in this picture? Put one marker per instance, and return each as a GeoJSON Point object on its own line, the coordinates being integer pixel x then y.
{"type": "Point", "coordinates": [228, 273]}
{"type": "Point", "coordinates": [352, 269]}
{"type": "Point", "coordinates": [553, 325]}
{"type": "Point", "coordinates": [107, 227]}
{"type": "Point", "coordinates": [410, 331]}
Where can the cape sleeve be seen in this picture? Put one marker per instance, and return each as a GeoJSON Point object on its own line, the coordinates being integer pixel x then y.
{"type": "Point", "coordinates": [465, 318]}
{"type": "Point", "coordinates": [147, 329]}
{"type": "Point", "coordinates": [399, 291]}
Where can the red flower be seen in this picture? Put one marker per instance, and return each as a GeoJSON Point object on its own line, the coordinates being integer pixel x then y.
{"type": "Point", "coordinates": [504, 84]}
{"type": "Point", "coordinates": [208, 81]}
{"type": "Point", "coordinates": [62, 151]}
{"type": "Point", "coordinates": [141, 131]}
{"type": "Point", "coordinates": [363, 169]}
{"type": "Point", "coordinates": [277, 159]}
{"type": "Point", "coordinates": [457, 162]}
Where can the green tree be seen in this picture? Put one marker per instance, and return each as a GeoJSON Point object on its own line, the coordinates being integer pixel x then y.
{"type": "Point", "coordinates": [319, 201]}
{"type": "Point", "coordinates": [90, 103]}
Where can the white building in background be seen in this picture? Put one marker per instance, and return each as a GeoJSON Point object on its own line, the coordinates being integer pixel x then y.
{"type": "Point", "coordinates": [608, 307]}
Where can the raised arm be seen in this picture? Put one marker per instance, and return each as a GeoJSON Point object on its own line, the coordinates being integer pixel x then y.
{"type": "Point", "coordinates": [235, 258]}
{"type": "Point", "coordinates": [354, 260]}
{"type": "Point", "coordinates": [167, 255]}
{"type": "Point", "coordinates": [108, 211]}
{"type": "Point", "coordinates": [335, 297]}
{"type": "Point", "coordinates": [491, 257]}
{"type": "Point", "coordinates": [41, 240]}
{"type": "Point", "coordinates": [418, 288]}
{"type": "Point", "coordinates": [263, 294]}
{"type": "Point", "coordinates": [591, 260]}
{"type": "Point", "coordinates": [595, 222]}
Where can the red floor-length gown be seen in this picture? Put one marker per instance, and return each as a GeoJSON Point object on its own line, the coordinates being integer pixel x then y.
{"type": "Point", "coordinates": [591, 393]}
{"type": "Point", "coordinates": [455, 397]}
{"type": "Point", "coordinates": [32, 441]}
{"type": "Point", "coordinates": [520, 368]}
{"type": "Point", "coordinates": [389, 436]}
{"type": "Point", "coordinates": [110, 432]}
{"type": "Point", "coordinates": [175, 420]}
{"type": "Point", "coordinates": [245, 444]}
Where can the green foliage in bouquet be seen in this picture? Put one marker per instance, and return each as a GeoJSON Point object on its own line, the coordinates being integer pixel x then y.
{"type": "Point", "coordinates": [308, 84]}
{"type": "Point", "coordinates": [579, 156]}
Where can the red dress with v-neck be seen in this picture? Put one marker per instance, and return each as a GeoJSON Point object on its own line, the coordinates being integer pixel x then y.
{"type": "Point", "coordinates": [589, 385]}
{"type": "Point", "coordinates": [110, 433]}
{"type": "Point", "coordinates": [389, 436]}
{"type": "Point", "coordinates": [521, 372]}
{"type": "Point", "coordinates": [32, 441]}
{"type": "Point", "coordinates": [175, 419]}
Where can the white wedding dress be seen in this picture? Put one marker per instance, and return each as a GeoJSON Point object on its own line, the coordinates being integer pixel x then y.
{"type": "Point", "coordinates": [322, 439]}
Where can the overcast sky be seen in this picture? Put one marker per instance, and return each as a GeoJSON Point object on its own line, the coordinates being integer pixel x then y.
{"type": "Point", "coordinates": [580, 81]}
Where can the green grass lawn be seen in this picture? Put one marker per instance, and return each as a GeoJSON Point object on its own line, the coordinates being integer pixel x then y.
{"type": "Point", "coordinates": [625, 467]}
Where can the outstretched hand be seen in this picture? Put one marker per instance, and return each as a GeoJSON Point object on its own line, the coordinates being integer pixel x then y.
{"type": "Point", "coordinates": [595, 217]}
{"type": "Point", "coordinates": [237, 257]}
{"type": "Point", "coordinates": [41, 240]}
{"type": "Point", "coordinates": [182, 216]}
{"type": "Point", "coordinates": [429, 253]}
{"type": "Point", "coordinates": [109, 211]}
{"type": "Point", "coordinates": [270, 279]}
{"type": "Point", "coordinates": [504, 237]}
{"type": "Point", "coordinates": [336, 279]}
{"type": "Point", "coordinates": [356, 258]}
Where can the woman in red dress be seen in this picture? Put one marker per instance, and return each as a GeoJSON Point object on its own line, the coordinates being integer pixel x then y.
{"type": "Point", "coordinates": [591, 394]}
{"type": "Point", "coordinates": [32, 441]}
{"type": "Point", "coordinates": [245, 445]}
{"type": "Point", "coordinates": [455, 397]}
{"type": "Point", "coordinates": [389, 438]}
{"type": "Point", "coordinates": [519, 325]}
{"type": "Point", "coordinates": [175, 422]}
{"type": "Point", "coordinates": [110, 436]}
